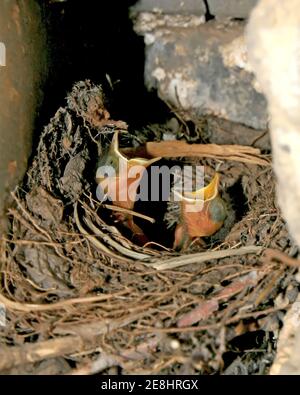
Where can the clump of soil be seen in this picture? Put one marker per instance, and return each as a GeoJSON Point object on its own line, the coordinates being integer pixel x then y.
{"type": "Point", "coordinates": [81, 297]}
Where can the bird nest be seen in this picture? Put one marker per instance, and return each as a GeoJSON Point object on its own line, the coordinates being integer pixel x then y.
{"type": "Point", "coordinates": [79, 296]}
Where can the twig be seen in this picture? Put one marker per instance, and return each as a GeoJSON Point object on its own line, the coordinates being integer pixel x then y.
{"type": "Point", "coordinates": [272, 255]}
{"type": "Point", "coordinates": [40, 243]}
{"type": "Point", "coordinates": [203, 257]}
{"type": "Point", "coordinates": [97, 243]}
{"type": "Point", "coordinates": [188, 329]}
{"type": "Point", "coordinates": [30, 353]}
{"type": "Point", "coordinates": [30, 307]}
{"type": "Point", "coordinates": [80, 339]}
{"type": "Point", "coordinates": [67, 345]}
{"type": "Point", "coordinates": [175, 149]}
{"type": "Point", "coordinates": [267, 290]}
{"type": "Point", "coordinates": [123, 250]}
{"type": "Point", "coordinates": [99, 327]}
{"type": "Point", "coordinates": [104, 361]}
{"type": "Point", "coordinates": [125, 210]}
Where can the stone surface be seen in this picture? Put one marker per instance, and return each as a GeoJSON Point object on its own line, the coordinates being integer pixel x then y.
{"type": "Point", "coordinates": [273, 35]}
{"type": "Point", "coordinates": [170, 6]}
{"type": "Point", "coordinates": [231, 8]}
{"type": "Point", "coordinates": [220, 131]}
{"type": "Point", "coordinates": [22, 34]}
{"type": "Point", "coordinates": [203, 69]}
{"type": "Point", "coordinates": [287, 361]}
{"type": "Point", "coordinates": [218, 8]}
{"type": "Point", "coordinates": [149, 23]}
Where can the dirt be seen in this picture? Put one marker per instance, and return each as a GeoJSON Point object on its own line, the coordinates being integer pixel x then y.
{"type": "Point", "coordinates": [75, 307]}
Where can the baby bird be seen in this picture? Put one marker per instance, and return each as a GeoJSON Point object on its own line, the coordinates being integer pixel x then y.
{"type": "Point", "coordinates": [118, 179]}
{"type": "Point", "coordinates": [202, 213]}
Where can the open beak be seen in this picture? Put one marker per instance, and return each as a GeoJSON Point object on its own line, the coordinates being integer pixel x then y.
{"type": "Point", "coordinates": [119, 177]}
{"type": "Point", "coordinates": [124, 177]}
{"type": "Point", "coordinates": [202, 213]}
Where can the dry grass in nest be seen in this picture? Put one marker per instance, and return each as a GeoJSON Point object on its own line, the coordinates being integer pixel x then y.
{"type": "Point", "coordinates": [76, 289]}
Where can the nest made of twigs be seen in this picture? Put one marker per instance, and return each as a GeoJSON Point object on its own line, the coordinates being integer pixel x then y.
{"type": "Point", "coordinates": [76, 288]}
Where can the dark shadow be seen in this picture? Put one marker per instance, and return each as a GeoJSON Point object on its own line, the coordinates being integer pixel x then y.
{"type": "Point", "coordinates": [92, 40]}
{"type": "Point", "coordinates": [156, 209]}
{"type": "Point", "coordinates": [250, 343]}
{"type": "Point", "coordinates": [238, 200]}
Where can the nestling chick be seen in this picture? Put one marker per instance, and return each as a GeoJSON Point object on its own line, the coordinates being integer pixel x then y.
{"type": "Point", "coordinates": [118, 179]}
{"type": "Point", "coordinates": [202, 213]}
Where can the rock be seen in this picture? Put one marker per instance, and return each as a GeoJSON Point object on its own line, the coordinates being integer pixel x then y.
{"type": "Point", "coordinates": [220, 131]}
{"type": "Point", "coordinates": [273, 43]}
{"type": "Point", "coordinates": [287, 361]}
{"type": "Point", "coordinates": [170, 6]}
{"type": "Point", "coordinates": [202, 69]}
{"type": "Point", "coordinates": [231, 8]}
{"type": "Point", "coordinates": [218, 8]}
{"type": "Point", "coordinates": [273, 48]}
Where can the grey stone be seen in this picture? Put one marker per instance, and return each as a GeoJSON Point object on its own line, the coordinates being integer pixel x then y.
{"type": "Point", "coordinates": [231, 8]}
{"type": "Point", "coordinates": [203, 70]}
{"type": "Point", "coordinates": [220, 131]}
{"type": "Point", "coordinates": [170, 6]}
{"type": "Point", "coordinates": [273, 49]}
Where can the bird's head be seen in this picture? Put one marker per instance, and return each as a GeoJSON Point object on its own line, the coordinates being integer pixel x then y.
{"type": "Point", "coordinates": [202, 213]}
{"type": "Point", "coordinates": [119, 176]}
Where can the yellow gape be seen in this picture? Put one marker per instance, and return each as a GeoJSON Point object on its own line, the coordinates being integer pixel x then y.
{"type": "Point", "coordinates": [121, 186]}
{"type": "Point", "coordinates": [202, 213]}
